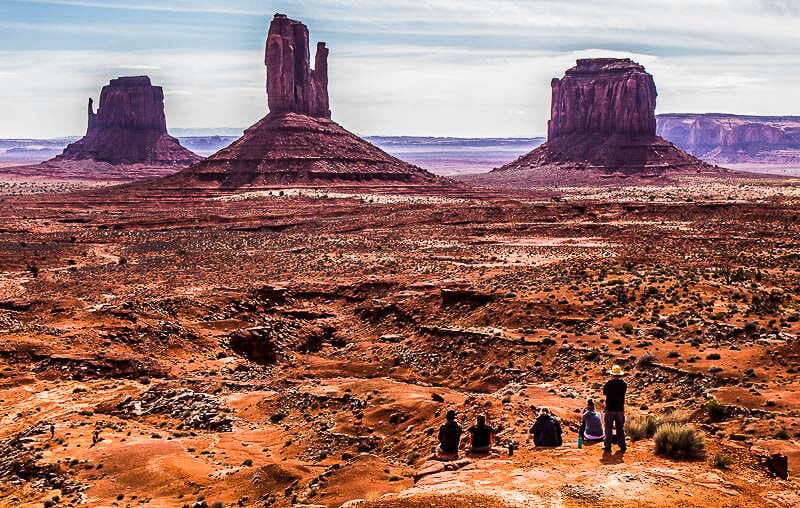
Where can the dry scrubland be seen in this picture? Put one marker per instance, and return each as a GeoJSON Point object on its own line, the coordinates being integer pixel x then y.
{"type": "Point", "coordinates": [303, 348]}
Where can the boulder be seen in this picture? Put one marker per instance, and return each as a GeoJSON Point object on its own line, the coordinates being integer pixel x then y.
{"type": "Point", "coordinates": [775, 463]}
{"type": "Point", "coordinates": [429, 468]}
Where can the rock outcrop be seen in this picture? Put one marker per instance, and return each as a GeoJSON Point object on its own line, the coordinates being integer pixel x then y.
{"type": "Point", "coordinates": [129, 128]}
{"type": "Point", "coordinates": [603, 120]}
{"type": "Point", "coordinates": [603, 96]}
{"type": "Point", "coordinates": [297, 141]}
{"type": "Point", "coordinates": [292, 86]}
{"type": "Point", "coordinates": [723, 138]}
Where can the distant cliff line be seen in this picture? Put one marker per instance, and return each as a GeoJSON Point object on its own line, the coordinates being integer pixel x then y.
{"type": "Point", "coordinates": [730, 139]}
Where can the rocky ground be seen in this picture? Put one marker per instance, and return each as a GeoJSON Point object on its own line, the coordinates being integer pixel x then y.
{"type": "Point", "coordinates": [297, 347]}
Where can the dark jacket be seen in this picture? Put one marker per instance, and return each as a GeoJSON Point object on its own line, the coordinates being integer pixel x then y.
{"type": "Point", "coordinates": [546, 431]}
{"type": "Point", "coordinates": [450, 436]}
{"type": "Point", "coordinates": [481, 437]}
{"type": "Point", "coordinates": [614, 390]}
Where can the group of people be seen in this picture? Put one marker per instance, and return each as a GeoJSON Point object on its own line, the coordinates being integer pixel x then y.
{"type": "Point", "coordinates": [546, 429]}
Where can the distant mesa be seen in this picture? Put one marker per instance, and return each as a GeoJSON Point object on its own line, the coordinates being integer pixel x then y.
{"type": "Point", "coordinates": [603, 120]}
{"type": "Point", "coordinates": [734, 139]}
{"type": "Point", "coordinates": [129, 128]}
{"type": "Point", "coordinates": [297, 141]}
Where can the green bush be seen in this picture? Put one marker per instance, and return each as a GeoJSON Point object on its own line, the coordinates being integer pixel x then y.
{"type": "Point", "coordinates": [721, 461]}
{"type": "Point", "coordinates": [679, 441]}
{"type": "Point", "coordinates": [640, 427]}
{"type": "Point", "coordinates": [716, 410]}
{"type": "Point", "coordinates": [672, 418]}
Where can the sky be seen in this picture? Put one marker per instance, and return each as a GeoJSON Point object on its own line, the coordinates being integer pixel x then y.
{"type": "Point", "coordinates": [467, 68]}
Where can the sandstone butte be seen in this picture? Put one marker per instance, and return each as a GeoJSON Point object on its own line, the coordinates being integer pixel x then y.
{"type": "Point", "coordinates": [603, 119]}
{"type": "Point", "coordinates": [129, 127]}
{"type": "Point", "coordinates": [297, 142]}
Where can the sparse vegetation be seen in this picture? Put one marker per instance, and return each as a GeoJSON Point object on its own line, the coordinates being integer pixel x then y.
{"type": "Point", "coordinates": [721, 461]}
{"type": "Point", "coordinates": [716, 410]}
{"type": "Point", "coordinates": [679, 441]}
{"type": "Point", "coordinates": [641, 427]}
{"type": "Point", "coordinates": [645, 360]}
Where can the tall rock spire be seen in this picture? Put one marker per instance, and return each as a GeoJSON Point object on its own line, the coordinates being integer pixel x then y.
{"type": "Point", "coordinates": [297, 141]}
{"type": "Point", "coordinates": [292, 86]}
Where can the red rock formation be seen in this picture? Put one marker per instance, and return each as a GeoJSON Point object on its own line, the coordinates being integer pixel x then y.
{"type": "Point", "coordinates": [603, 119]}
{"type": "Point", "coordinates": [297, 141]}
{"type": "Point", "coordinates": [292, 86]}
{"type": "Point", "coordinates": [129, 128]}
{"type": "Point", "coordinates": [723, 138]}
{"type": "Point", "coordinates": [603, 96]}
{"type": "Point", "coordinates": [289, 147]}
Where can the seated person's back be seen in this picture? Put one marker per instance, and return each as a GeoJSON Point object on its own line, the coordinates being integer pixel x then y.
{"type": "Point", "coordinates": [546, 429]}
{"type": "Point", "coordinates": [481, 435]}
{"type": "Point", "coordinates": [450, 434]}
{"type": "Point", "coordinates": [591, 423]}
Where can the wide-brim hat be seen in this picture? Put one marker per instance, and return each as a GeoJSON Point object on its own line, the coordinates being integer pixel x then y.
{"type": "Point", "coordinates": [616, 370]}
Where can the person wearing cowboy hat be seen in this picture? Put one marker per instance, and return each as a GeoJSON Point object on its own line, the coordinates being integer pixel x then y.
{"type": "Point", "coordinates": [614, 390]}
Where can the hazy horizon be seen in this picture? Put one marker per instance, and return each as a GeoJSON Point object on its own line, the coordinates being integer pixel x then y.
{"type": "Point", "coordinates": [441, 68]}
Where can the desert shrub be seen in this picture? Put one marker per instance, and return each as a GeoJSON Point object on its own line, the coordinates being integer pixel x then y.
{"type": "Point", "coordinates": [721, 461]}
{"type": "Point", "coordinates": [679, 441]}
{"type": "Point", "coordinates": [627, 328]}
{"type": "Point", "coordinates": [716, 410]}
{"type": "Point", "coordinates": [645, 360]}
{"type": "Point", "coordinates": [640, 427]}
{"type": "Point", "coordinates": [672, 417]}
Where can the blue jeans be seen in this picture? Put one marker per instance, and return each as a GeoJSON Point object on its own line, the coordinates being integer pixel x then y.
{"type": "Point", "coordinates": [615, 419]}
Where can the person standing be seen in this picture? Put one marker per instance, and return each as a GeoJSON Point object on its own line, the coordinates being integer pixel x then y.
{"type": "Point", "coordinates": [614, 390]}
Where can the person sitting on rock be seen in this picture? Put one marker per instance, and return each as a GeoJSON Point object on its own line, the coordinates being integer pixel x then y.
{"type": "Point", "coordinates": [481, 437]}
{"type": "Point", "coordinates": [546, 429]}
{"type": "Point", "coordinates": [591, 424]}
{"type": "Point", "coordinates": [449, 437]}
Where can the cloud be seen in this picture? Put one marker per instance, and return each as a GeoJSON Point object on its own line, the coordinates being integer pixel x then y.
{"type": "Point", "coordinates": [440, 67]}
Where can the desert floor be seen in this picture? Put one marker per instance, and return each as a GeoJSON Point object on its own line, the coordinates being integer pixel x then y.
{"type": "Point", "coordinates": [278, 348]}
